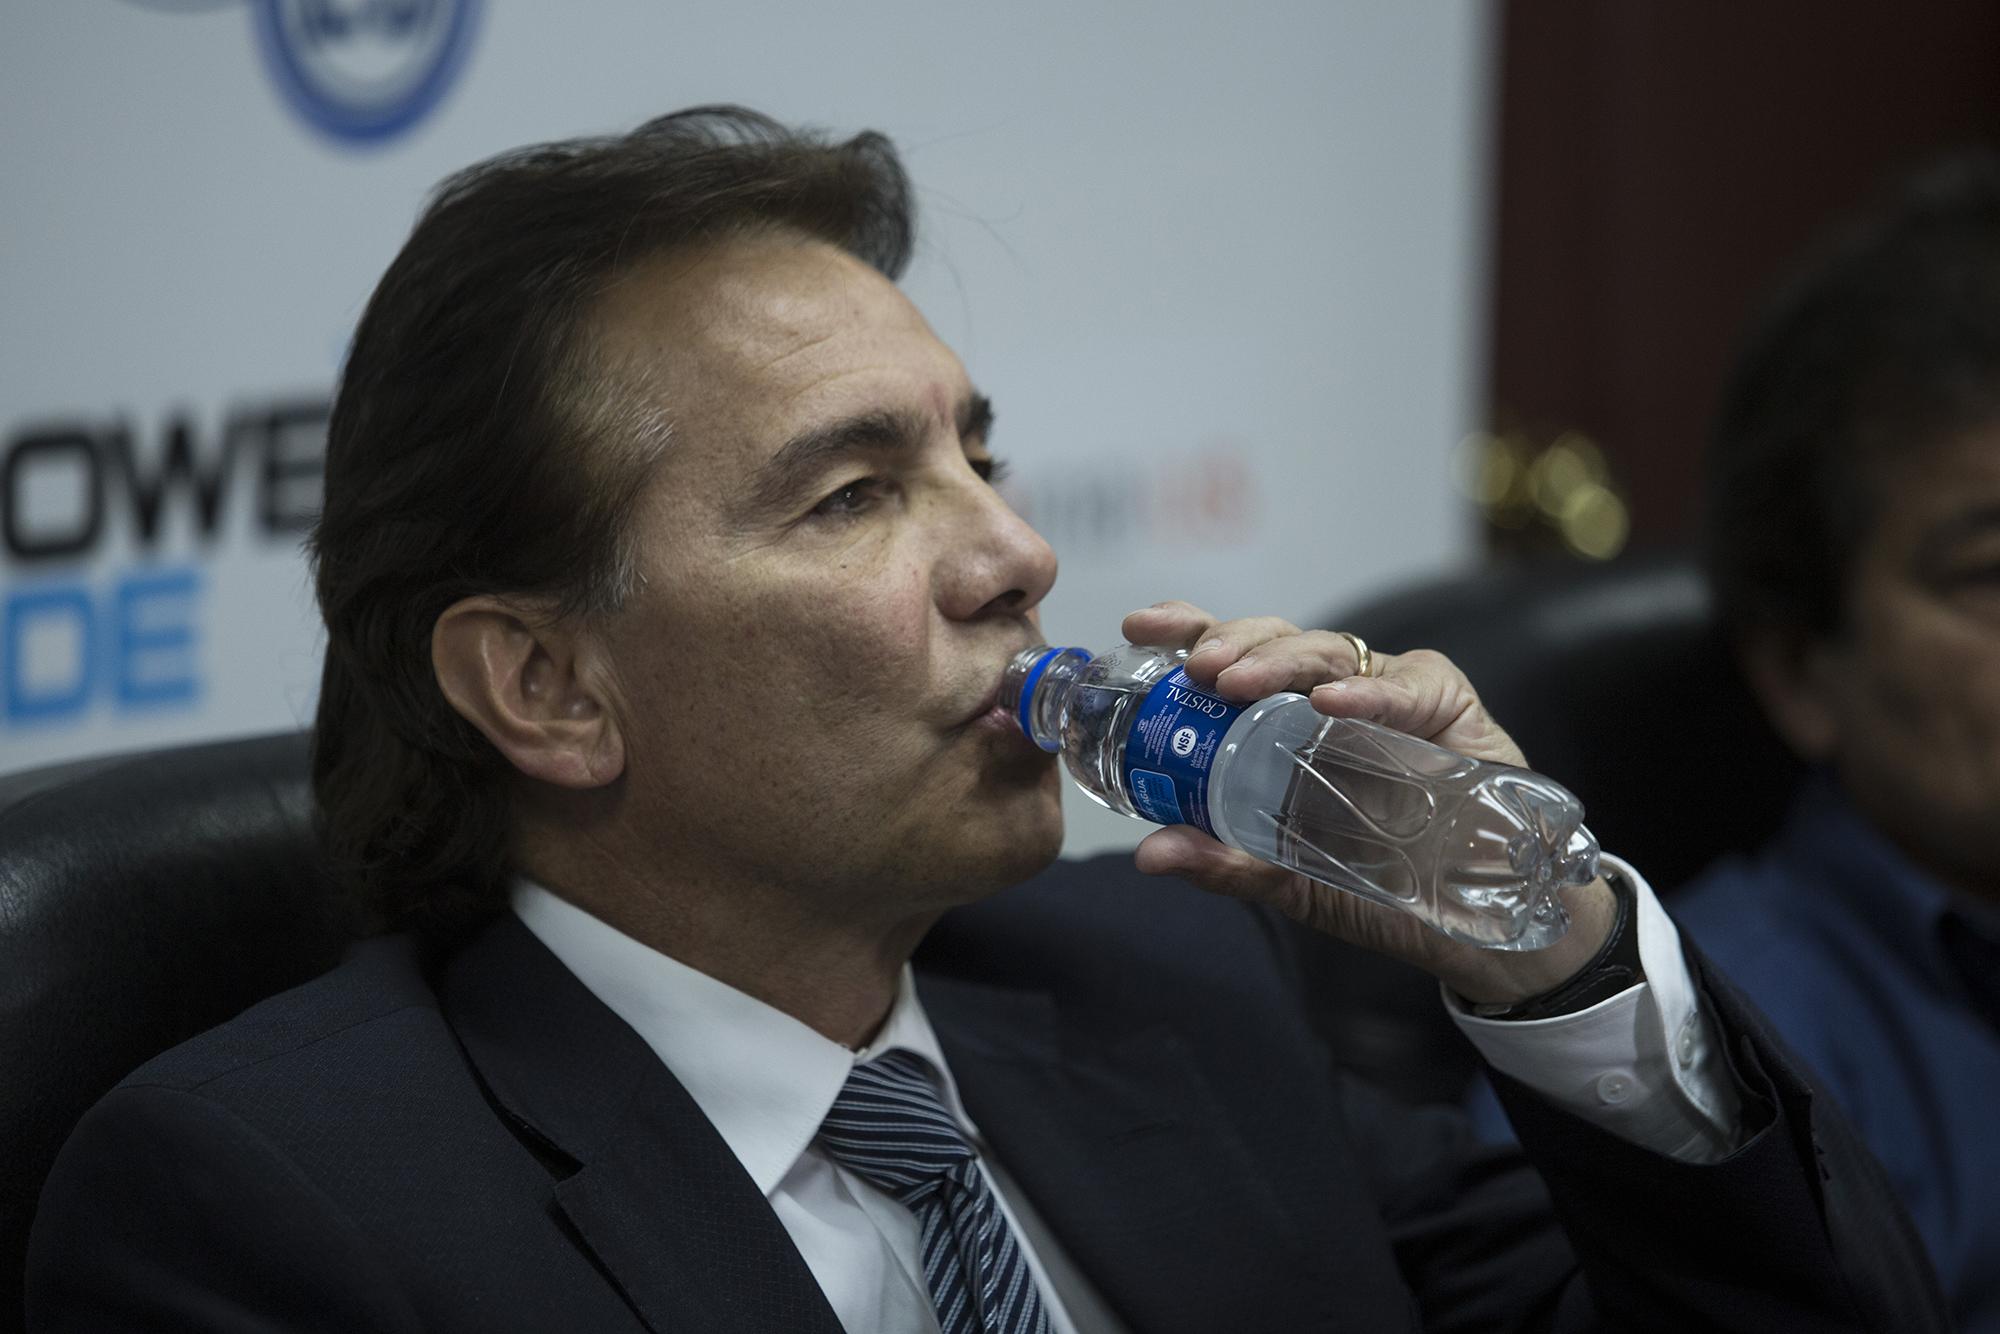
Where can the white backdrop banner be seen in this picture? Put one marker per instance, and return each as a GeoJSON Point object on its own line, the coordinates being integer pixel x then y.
{"type": "Point", "coordinates": [1219, 266]}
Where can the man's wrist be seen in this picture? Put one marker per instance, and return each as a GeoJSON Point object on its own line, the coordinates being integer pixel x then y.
{"type": "Point", "coordinates": [1505, 978]}
{"type": "Point", "coordinates": [1613, 967]}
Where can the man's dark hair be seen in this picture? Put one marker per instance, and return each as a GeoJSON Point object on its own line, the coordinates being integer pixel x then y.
{"type": "Point", "coordinates": [1886, 343]}
{"type": "Point", "coordinates": [478, 445]}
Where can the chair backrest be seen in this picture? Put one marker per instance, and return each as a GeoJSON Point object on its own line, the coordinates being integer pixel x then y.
{"type": "Point", "coordinates": [143, 899]}
{"type": "Point", "coordinates": [1616, 683]}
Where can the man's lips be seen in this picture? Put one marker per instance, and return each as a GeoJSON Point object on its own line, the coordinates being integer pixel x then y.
{"type": "Point", "coordinates": [993, 704]}
{"type": "Point", "coordinates": [990, 707]}
{"type": "Point", "coordinates": [986, 705]}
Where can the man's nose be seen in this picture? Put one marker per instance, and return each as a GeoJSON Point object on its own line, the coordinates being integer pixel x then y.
{"type": "Point", "coordinates": [994, 560]}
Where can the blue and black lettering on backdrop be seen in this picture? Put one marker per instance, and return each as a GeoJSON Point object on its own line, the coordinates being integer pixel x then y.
{"type": "Point", "coordinates": [121, 535]}
{"type": "Point", "coordinates": [80, 633]}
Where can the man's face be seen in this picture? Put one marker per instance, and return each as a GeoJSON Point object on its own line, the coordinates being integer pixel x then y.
{"type": "Point", "coordinates": [831, 589]}
{"type": "Point", "coordinates": [1913, 683]}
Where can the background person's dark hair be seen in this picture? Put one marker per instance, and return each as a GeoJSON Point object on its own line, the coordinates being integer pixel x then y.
{"type": "Point", "coordinates": [1885, 343]}
{"type": "Point", "coordinates": [477, 446]}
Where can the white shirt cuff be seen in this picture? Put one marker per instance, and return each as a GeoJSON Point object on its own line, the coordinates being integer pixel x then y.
{"type": "Point", "coordinates": [1643, 1064]}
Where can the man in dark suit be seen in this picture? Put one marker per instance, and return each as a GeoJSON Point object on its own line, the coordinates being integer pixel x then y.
{"type": "Point", "coordinates": [667, 602]}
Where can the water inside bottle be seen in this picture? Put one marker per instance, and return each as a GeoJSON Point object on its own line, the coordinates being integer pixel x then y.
{"type": "Point", "coordinates": [1475, 849]}
{"type": "Point", "coordinates": [1364, 809]}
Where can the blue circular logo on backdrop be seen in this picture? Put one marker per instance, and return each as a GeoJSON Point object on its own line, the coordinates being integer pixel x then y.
{"type": "Point", "coordinates": [365, 70]}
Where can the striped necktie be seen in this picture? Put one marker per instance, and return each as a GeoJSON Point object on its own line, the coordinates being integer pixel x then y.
{"type": "Point", "coordinates": [890, 1127]}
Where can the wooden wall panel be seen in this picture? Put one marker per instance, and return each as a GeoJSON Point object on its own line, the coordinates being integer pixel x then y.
{"type": "Point", "coordinates": [1659, 162]}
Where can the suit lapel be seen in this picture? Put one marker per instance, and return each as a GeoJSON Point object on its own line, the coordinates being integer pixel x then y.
{"type": "Point", "coordinates": [1114, 1135]}
{"type": "Point", "coordinates": [655, 1193]}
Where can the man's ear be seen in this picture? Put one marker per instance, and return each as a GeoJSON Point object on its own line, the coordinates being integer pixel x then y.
{"type": "Point", "coordinates": [534, 686]}
{"type": "Point", "coordinates": [1792, 674]}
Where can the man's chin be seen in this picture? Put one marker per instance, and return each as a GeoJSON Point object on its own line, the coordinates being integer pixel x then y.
{"type": "Point", "coordinates": [1008, 851]}
{"type": "Point", "coordinates": [1038, 855]}
{"type": "Point", "coordinates": [1031, 843]}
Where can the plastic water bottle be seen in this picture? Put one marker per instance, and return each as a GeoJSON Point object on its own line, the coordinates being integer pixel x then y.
{"type": "Point", "coordinates": [1476, 850]}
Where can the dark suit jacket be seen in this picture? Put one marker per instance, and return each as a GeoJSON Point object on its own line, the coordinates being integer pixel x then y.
{"type": "Point", "coordinates": [473, 1142]}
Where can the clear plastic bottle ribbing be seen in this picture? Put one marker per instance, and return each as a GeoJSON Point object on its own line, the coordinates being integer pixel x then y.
{"type": "Point", "coordinates": [1477, 850]}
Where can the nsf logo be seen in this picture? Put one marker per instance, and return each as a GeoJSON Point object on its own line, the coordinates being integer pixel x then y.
{"type": "Point", "coordinates": [364, 70]}
{"type": "Point", "coordinates": [1184, 741]}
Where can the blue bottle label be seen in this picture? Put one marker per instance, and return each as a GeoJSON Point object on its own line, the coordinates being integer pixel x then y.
{"type": "Point", "coordinates": [1171, 746]}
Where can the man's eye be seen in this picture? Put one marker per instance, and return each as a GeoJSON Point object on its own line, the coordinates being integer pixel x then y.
{"type": "Point", "coordinates": [855, 498]}
{"type": "Point", "coordinates": [991, 471]}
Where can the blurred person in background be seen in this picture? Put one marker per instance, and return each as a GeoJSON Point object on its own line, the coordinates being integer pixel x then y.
{"type": "Point", "coordinates": [667, 600]}
{"type": "Point", "coordinates": [1853, 546]}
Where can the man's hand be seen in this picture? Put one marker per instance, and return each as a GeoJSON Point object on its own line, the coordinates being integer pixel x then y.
{"type": "Point", "coordinates": [1420, 693]}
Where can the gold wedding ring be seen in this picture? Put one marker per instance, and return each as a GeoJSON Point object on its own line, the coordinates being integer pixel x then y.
{"type": "Point", "coordinates": [1364, 661]}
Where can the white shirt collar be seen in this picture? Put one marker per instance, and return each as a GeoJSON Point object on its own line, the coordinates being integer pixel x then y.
{"type": "Point", "coordinates": [765, 1080]}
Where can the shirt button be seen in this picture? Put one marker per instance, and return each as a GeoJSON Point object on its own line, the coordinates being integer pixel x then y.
{"type": "Point", "coordinates": [1614, 1087]}
{"type": "Point", "coordinates": [1684, 1048]}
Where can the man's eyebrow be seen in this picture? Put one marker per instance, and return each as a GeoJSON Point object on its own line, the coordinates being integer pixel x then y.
{"type": "Point", "coordinates": [800, 459]}
{"type": "Point", "coordinates": [805, 455]}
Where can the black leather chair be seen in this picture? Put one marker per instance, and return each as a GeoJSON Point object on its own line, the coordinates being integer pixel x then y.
{"type": "Point", "coordinates": [1615, 682]}
{"type": "Point", "coordinates": [143, 898]}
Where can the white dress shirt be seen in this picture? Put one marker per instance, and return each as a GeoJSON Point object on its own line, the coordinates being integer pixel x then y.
{"type": "Point", "coordinates": [1642, 1064]}
{"type": "Point", "coordinates": [766, 1081]}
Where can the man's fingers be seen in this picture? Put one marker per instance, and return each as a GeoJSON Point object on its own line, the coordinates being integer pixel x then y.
{"type": "Point", "coordinates": [1424, 694]}
{"type": "Point", "coordinates": [1420, 692]}
{"type": "Point", "coordinates": [1298, 661]}
{"type": "Point", "coordinates": [1216, 644]}
{"type": "Point", "coordinates": [1247, 658]}
{"type": "Point", "coordinates": [1376, 699]}
{"type": "Point", "coordinates": [1185, 851]}
{"type": "Point", "coordinates": [1166, 624]}
{"type": "Point", "coordinates": [1223, 646]}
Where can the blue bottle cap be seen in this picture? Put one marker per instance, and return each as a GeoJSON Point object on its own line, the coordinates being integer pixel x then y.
{"type": "Point", "coordinates": [1027, 697]}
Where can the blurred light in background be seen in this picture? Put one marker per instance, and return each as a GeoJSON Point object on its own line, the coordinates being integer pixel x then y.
{"type": "Point", "coordinates": [1537, 494]}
